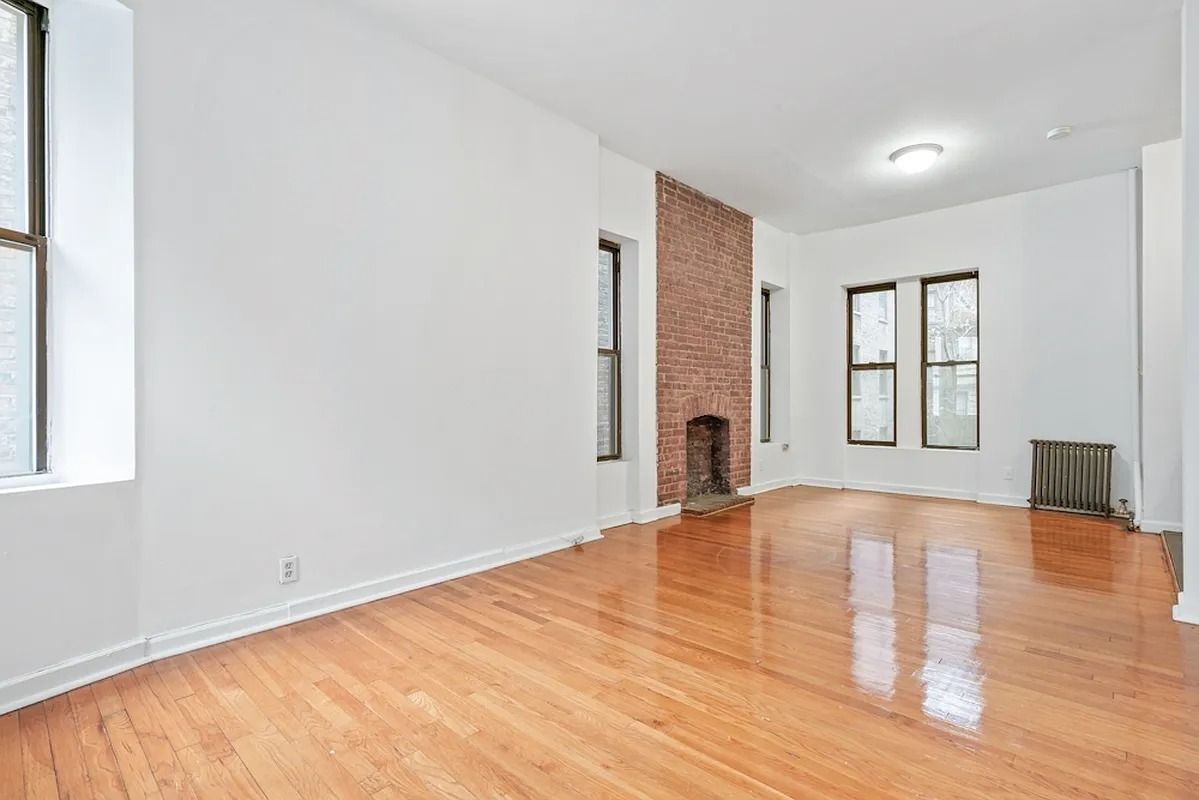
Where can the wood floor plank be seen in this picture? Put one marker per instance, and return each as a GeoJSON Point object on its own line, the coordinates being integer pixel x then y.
{"type": "Point", "coordinates": [131, 758]}
{"type": "Point", "coordinates": [102, 768]}
{"type": "Point", "coordinates": [107, 697]}
{"type": "Point", "coordinates": [12, 767]}
{"type": "Point", "coordinates": [169, 774]}
{"type": "Point", "coordinates": [41, 782]}
{"type": "Point", "coordinates": [821, 644]}
{"type": "Point", "coordinates": [279, 769]}
{"type": "Point", "coordinates": [69, 764]}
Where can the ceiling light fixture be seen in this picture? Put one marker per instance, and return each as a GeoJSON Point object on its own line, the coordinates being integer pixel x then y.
{"type": "Point", "coordinates": [1059, 133]}
{"type": "Point", "coordinates": [917, 157]}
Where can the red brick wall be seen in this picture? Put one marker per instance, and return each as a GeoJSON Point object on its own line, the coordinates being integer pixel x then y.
{"type": "Point", "coordinates": [705, 335]}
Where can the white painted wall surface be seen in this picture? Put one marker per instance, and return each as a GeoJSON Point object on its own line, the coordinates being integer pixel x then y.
{"type": "Point", "coordinates": [771, 465]}
{"type": "Point", "coordinates": [1188, 602]}
{"type": "Point", "coordinates": [1161, 304]}
{"type": "Point", "coordinates": [627, 488]}
{"type": "Point", "coordinates": [68, 574]}
{"type": "Point", "coordinates": [92, 385]}
{"type": "Point", "coordinates": [69, 552]}
{"type": "Point", "coordinates": [366, 297]}
{"type": "Point", "coordinates": [1055, 324]}
{"type": "Point", "coordinates": [368, 301]}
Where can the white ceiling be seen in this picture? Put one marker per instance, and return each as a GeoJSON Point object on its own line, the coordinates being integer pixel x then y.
{"type": "Point", "coordinates": [788, 109]}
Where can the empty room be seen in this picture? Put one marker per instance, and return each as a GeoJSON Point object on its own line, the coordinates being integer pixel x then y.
{"type": "Point", "coordinates": [650, 399]}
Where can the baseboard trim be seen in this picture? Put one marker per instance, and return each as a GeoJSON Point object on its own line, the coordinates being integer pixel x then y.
{"type": "Point", "coordinates": [615, 520]}
{"type": "Point", "coordinates": [659, 513]}
{"type": "Point", "coordinates": [52, 681]}
{"type": "Point", "coordinates": [1183, 612]}
{"type": "Point", "coordinates": [1009, 500]}
{"type": "Point", "coordinates": [36, 686]}
{"type": "Point", "coordinates": [912, 491]}
{"type": "Point", "coordinates": [768, 486]}
{"type": "Point", "coordinates": [1156, 526]}
{"type": "Point", "coordinates": [819, 483]}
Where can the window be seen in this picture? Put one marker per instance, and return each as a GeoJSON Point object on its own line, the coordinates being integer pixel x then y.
{"type": "Point", "coordinates": [764, 367]}
{"type": "Point", "coordinates": [608, 429]}
{"type": "Point", "coordinates": [22, 239]}
{"type": "Point", "coordinates": [950, 359]}
{"type": "Point", "coordinates": [871, 341]}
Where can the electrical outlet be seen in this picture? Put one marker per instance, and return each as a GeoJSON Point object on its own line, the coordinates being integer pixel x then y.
{"type": "Point", "coordinates": [289, 569]}
{"type": "Point", "coordinates": [1007, 474]}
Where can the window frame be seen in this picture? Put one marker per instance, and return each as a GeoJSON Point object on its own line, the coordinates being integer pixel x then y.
{"type": "Point", "coordinates": [35, 240]}
{"type": "Point", "coordinates": [617, 416]}
{"type": "Point", "coordinates": [925, 363]}
{"type": "Point", "coordinates": [764, 371]}
{"type": "Point", "coordinates": [881, 366]}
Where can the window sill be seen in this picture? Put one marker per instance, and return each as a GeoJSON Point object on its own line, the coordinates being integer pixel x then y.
{"type": "Point", "coordinates": [25, 484]}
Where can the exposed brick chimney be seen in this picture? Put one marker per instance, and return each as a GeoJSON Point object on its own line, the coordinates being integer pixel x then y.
{"type": "Point", "coordinates": [705, 334]}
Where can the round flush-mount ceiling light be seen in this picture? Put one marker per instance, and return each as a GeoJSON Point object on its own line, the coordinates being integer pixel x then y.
{"type": "Point", "coordinates": [1060, 132]}
{"type": "Point", "coordinates": [917, 157]}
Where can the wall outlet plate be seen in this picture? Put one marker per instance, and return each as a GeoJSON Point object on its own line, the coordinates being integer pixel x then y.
{"type": "Point", "coordinates": [289, 569]}
{"type": "Point", "coordinates": [1007, 474]}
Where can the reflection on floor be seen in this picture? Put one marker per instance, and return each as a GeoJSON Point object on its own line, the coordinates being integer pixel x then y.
{"type": "Point", "coordinates": [821, 644]}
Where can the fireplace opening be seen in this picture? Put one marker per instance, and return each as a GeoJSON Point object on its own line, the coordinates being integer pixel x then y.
{"type": "Point", "coordinates": [708, 457]}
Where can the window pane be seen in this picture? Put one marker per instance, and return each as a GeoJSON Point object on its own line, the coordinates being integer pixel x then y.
{"type": "Point", "coordinates": [608, 421]}
{"type": "Point", "coordinates": [952, 396]}
{"type": "Point", "coordinates": [607, 300]}
{"type": "Point", "coordinates": [765, 403]}
{"type": "Point", "coordinates": [765, 329]}
{"type": "Point", "coordinates": [17, 406]}
{"type": "Point", "coordinates": [872, 406]}
{"type": "Point", "coordinates": [873, 327]}
{"type": "Point", "coordinates": [14, 120]}
{"type": "Point", "coordinates": [952, 316]}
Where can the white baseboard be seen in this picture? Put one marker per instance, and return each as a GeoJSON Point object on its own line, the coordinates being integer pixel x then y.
{"type": "Point", "coordinates": [615, 520]}
{"type": "Point", "coordinates": [766, 486]}
{"type": "Point", "coordinates": [1184, 612]}
{"type": "Point", "coordinates": [654, 514]}
{"type": "Point", "coordinates": [819, 483]}
{"type": "Point", "coordinates": [1157, 526]}
{"type": "Point", "coordinates": [914, 491]}
{"type": "Point", "coordinates": [1003, 500]}
{"type": "Point", "coordinates": [36, 686]}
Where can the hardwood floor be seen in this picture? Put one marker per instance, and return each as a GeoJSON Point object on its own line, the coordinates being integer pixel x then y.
{"type": "Point", "coordinates": [818, 645]}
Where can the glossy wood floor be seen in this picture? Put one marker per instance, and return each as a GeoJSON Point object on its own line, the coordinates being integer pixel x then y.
{"type": "Point", "coordinates": [818, 645]}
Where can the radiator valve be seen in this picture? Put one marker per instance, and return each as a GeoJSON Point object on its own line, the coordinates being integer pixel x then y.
{"type": "Point", "coordinates": [1125, 513]}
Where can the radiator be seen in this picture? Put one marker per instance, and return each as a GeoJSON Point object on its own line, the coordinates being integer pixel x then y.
{"type": "Point", "coordinates": [1072, 476]}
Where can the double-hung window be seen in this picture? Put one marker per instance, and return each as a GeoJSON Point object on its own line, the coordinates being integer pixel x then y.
{"type": "Point", "coordinates": [871, 341]}
{"type": "Point", "coordinates": [764, 367]}
{"type": "Point", "coordinates": [23, 246]}
{"type": "Point", "coordinates": [950, 358]}
{"type": "Point", "coordinates": [608, 429]}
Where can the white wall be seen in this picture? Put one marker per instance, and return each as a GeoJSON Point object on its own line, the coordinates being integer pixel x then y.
{"type": "Point", "coordinates": [69, 552]}
{"type": "Point", "coordinates": [773, 463]}
{"type": "Point", "coordinates": [92, 382]}
{"type": "Point", "coordinates": [626, 490]}
{"type": "Point", "coordinates": [1161, 304]}
{"type": "Point", "coordinates": [1056, 327]}
{"type": "Point", "coordinates": [366, 303]}
{"type": "Point", "coordinates": [1188, 602]}
{"type": "Point", "coordinates": [367, 308]}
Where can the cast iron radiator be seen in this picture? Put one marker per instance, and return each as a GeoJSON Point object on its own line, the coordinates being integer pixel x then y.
{"type": "Point", "coordinates": [1072, 476]}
